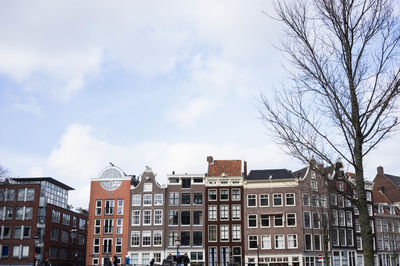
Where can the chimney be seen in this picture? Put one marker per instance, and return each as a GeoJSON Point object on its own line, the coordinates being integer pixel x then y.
{"type": "Point", "coordinates": [210, 159]}
{"type": "Point", "coordinates": [380, 170]}
{"type": "Point", "coordinates": [244, 169]}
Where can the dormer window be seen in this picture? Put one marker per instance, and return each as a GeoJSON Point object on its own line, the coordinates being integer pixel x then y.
{"type": "Point", "coordinates": [186, 183]}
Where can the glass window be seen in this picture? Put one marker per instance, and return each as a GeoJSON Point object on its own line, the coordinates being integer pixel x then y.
{"type": "Point", "coordinates": [308, 241]}
{"type": "Point", "coordinates": [147, 217]}
{"type": "Point", "coordinates": [185, 238]}
{"type": "Point", "coordinates": [197, 238]}
{"type": "Point", "coordinates": [251, 200]}
{"type": "Point", "coordinates": [236, 212]}
{"type": "Point", "coordinates": [277, 199]}
{"type": "Point", "coordinates": [172, 237]}
{"type": "Point", "coordinates": [224, 231]}
{"type": "Point", "coordinates": [264, 200]}
{"type": "Point", "coordinates": [291, 219]}
{"type": "Point", "coordinates": [236, 194]}
{"type": "Point", "coordinates": [224, 215]}
{"type": "Point", "coordinates": [21, 194]}
{"type": "Point", "coordinates": [120, 207]}
{"type": "Point", "coordinates": [19, 213]}
{"type": "Point", "coordinates": [212, 233]}
{"type": "Point", "coordinates": [55, 216]}
{"type": "Point", "coordinates": [265, 221]}
{"type": "Point", "coordinates": [97, 226]}
{"type": "Point", "coordinates": [136, 200]}
{"type": "Point", "coordinates": [173, 198]}
{"type": "Point", "coordinates": [185, 217]}
{"type": "Point", "coordinates": [136, 217]}
{"type": "Point", "coordinates": [10, 194]}
{"type": "Point", "coordinates": [120, 223]}
{"type": "Point", "coordinates": [185, 198]}
{"type": "Point", "coordinates": [253, 242]}
{"type": "Point", "coordinates": [186, 183]}
{"type": "Point", "coordinates": [98, 207]}
{"type": "Point", "coordinates": [236, 233]}
{"type": "Point", "coordinates": [306, 200]}
{"type": "Point", "coordinates": [173, 217]}
{"type": "Point", "coordinates": [315, 220]}
{"type": "Point", "coordinates": [147, 187]}
{"type": "Point", "coordinates": [266, 242]}
{"type": "Point", "coordinates": [212, 212]}
{"type": "Point", "coordinates": [198, 198]}
{"type": "Point", "coordinates": [252, 220]}
{"type": "Point", "coordinates": [158, 199]}
{"type": "Point", "coordinates": [157, 238]}
{"type": "Point", "coordinates": [290, 201]}
{"type": "Point", "coordinates": [317, 242]}
{"type": "Point", "coordinates": [279, 241]}
{"type": "Point", "coordinates": [17, 232]}
{"type": "Point", "coordinates": [292, 241]}
{"type": "Point", "coordinates": [147, 199]}
{"type": "Point", "coordinates": [278, 220]}
{"type": "Point", "coordinates": [307, 219]}
{"type": "Point", "coordinates": [146, 238]}
{"type": "Point", "coordinates": [109, 207]}
{"type": "Point", "coordinates": [197, 217]}
{"type": "Point", "coordinates": [158, 217]}
{"type": "Point", "coordinates": [108, 226]}
{"type": "Point", "coordinates": [212, 194]}
{"type": "Point", "coordinates": [135, 238]}
{"type": "Point", "coordinates": [107, 245]}
{"type": "Point", "coordinates": [224, 194]}
{"type": "Point", "coordinates": [66, 218]}
{"type": "Point", "coordinates": [30, 195]}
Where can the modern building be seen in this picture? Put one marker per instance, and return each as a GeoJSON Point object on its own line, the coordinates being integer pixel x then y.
{"type": "Point", "coordinates": [146, 229]}
{"type": "Point", "coordinates": [224, 223]}
{"type": "Point", "coordinates": [36, 223]}
{"type": "Point", "coordinates": [184, 222]}
{"type": "Point", "coordinates": [109, 212]}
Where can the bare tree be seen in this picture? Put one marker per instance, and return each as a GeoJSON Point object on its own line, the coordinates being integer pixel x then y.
{"type": "Point", "coordinates": [3, 172]}
{"type": "Point", "coordinates": [340, 101]}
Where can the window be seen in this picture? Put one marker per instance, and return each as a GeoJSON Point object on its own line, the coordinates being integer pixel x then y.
{"type": "Point", "coordinates": [212, 233]}
{"type": "Point", "coordinates": [197, 238]}
{"type": "Point", "coordinates": [28, 213]}
{"type": "Point", "coordinates": [107, 245]}
{"type": "Point", "coordinates": [19, 213]}
{"type": "Point", "coordinates": [27, 232]}
{"type": "Point", "coordinates": [341, 218]}
{"type": "Point", "coordinates": [54, 234]}
{"type": "Point", "coordinates": [368, 194]}
{"type": "Point", "coordinates": [324, 202]}
{"type": "Point", "coordinates": [342, 236]}
{"type": "Point", "coordinates": [120, 207]}
{"type": "Point", "coordinates": [109, 207]}
{"type": "Point", "coordinates": [108, 226]}
{"type": "Point", "coordinates": [135, 238]}
{"type": "Point", "coordinates": [186, 183]}
{"type": "Point", "coordinates": [173, 217]}
{"type": "Point", "coordinates": [21, 194]}
{"type": "Point", "coordinates": [292, 241]}
{"type": "Point", "coordinates": [98, 207]}
{"type": "Point", "coordinates": [266, 242]}
{"type": "Point", "coordinates": [157, 238]}
{"type": "Point", "coordinates": [278, 220]}
{"type": "Point", "coordinates": [185, 217]}
{"type": "Point", "coordinates": [118, 245]}
{"type": "Point", "coordinates": [291, 219]}
{"type": "Point", "coordinates": [146, 217]}
{"type": "Point", "coordinates": [235, 212]}
{"type": "Point", "coordinates": [277, 200]}
{"type": "Point", "coordinates": [198, 198]}
{"type": "Point", "coordinates": [158, 217]}
{"type": "Point", "coordinates": [158, 199]}
{"type": "Point", "coordinates": [147, 187]}
{"type": "Point", "coordinates": [333, 199]}
{"type": "Point", "coordinates": [63, 253]}
{"type": "Point", "coordinates": [96, 245]}
{"type": "Point", "coordinates": [136, 200]}
{"type": "Point", "coordinates": [173, 198]}
{"type": "Point", "coordinates": [53, 252]}
{"type": "Point", "coordinates": [264, 200]}
{"type": "Point", "coordinates": [251, 200]}
{"type": "Point", "coordinates": [5, 249]}
{"type": "Point", "coordinates": [197, 217]}
{"type": "Point", "coordinates": [17, 232]}
{"type": "Point", "coordinates": [306, 200]}
{"type": "Point", "coordinates": [253, 242]}
{"type": "Point", "coordinates": [135, 217]}
{"type": "Point", "coordinates": [357, 225]}
{"type": "Point", "coordinates": [66, 218]}
{"type": "Point", "coordinates": [97, 226]}
{"type": "Point", "coordinates": [314, 185]}
{"type": "Point", "coordinates": [212, 213]}
{"type": "Point", "coordinates": [64, 236]}
{"type": "Point", "coordinates": [236, 194]}
{"type": "Point", "coordinates": [6, 232]}
{"type": "Point", "coordinates": [290, 201]}
{"type": "Point", "coordinates": [147, 199]}
{"type": "Point", "coordinates": [340, 201]}
{"type": "Point", "coordinates": [197, 180]}
{"type": "Point", "coordinates": [279, 241]}
{"type": "Point", "coordinates": [370, 211]}
{"type": "Point", "coordinates": [10, 195]}
{"type": "Point", "coordinates": [146, 238]}
{"type": "Point", "coordinates": [55, 216]}
{"type": "Point", "coordinates": [224, 194]}
{"type": "Point", "coordinates": [212, 194]}
{"type": "Point", "coordinates": [315, 220]}
{"type": "Point", "coordinates": [308, 243]}
{"type": "Point", "coordinates": [307, 220]}
{"type": "Point", "coordinates": [252, 220]}
{"type": "Point", "coordinates": [335, 237]}
{"type": "Point", "coordinates": [264, 220]}
{"type": "Point", "coordinates": [224, 212]}
{"type": "Point", "coordinates": [172, 236]}
{"type": "Point", "coordinates": [359, 242]}
{"type": "Point", "coordinates": [236, 233]}
{"type": "Point", "coordinates": [349, 219]}
{"type": "Point", "coordinates": [314, 201]}
{"type": "Point", "coordinates": [120, 222]}
{"type": "Point", "coordinates": [224, 229]}
{"type": "Point", "coordinates": [378, 225]}
{"type": "Point", "coordinates": [317, 242]}
{"type": "Point", "coordinates": [349, 238]}
{"type": "Point", "coordinates": [82, 223]}
{"type": "Point", "coordinates": [185, 198]}
{"type": "Point", "coordinates": [30, 194]}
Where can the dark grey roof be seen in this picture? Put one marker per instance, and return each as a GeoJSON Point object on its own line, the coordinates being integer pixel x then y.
{"type": "Point", "coordinates": [300, 173]}
{"type": "Point", "coordinates": [48, 179]}
{"type": "Point", "coordinates": [269, 174]}
{"type": "Point", "coordinates": [394, 179]}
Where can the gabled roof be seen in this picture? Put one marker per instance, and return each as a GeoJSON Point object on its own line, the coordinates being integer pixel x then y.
{"type": "Point", "coordinates": [269, 174]}
{"type": "Point", "coordinates": [395, 179]}
{"type": "Point", "coordinates": [300, 173]}
{"type": "Point", "coordinates": [225, 168]}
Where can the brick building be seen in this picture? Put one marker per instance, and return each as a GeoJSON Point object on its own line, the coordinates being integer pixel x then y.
{"type": "Point", "coordinates": [109, 212]}
{"type": "Point", "coordinates": [224, 226]}
{"type": "Point", "coordinates": [36, 224]}
{"type": "Point", "coordinates": [146, 229]}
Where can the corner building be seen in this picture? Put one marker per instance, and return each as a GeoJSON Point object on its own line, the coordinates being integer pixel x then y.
{"type": "Point", "coordinates": [109, 206]}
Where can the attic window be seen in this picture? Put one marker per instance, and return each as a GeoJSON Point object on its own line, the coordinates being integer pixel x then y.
{"type": "Point", "coordinates": [313, 174]}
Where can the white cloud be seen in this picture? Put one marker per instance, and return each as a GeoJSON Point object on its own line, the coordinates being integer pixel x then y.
{"type": "Point", "coordinates": [30, 106]}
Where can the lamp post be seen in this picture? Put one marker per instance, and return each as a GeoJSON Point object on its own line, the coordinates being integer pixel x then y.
{"type": "Point", "coordinates": [74, 233]}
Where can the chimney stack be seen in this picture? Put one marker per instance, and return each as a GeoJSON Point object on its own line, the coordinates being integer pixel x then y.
{"type": "Point", "coordinates": [380, 170]}
{"type": "Point", "coordinates": [210, 159]}
{"type": "Point", "coordinates": [245, 169]}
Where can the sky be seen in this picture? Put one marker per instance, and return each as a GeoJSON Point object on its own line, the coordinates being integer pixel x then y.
{"type": "Point", "coordinates": [140, 83]}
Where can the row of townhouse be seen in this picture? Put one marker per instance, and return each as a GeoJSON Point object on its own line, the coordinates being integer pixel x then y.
{"type": "Point", "coordinates": [228, 216]}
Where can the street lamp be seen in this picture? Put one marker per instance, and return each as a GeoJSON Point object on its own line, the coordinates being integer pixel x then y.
{"type": "Point", "coordinates": [74, 233]}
